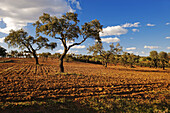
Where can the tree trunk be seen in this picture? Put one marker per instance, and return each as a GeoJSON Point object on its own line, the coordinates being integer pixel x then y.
{"type": "Point", "coordinates": [163, 66]}
{"type": "Point", "coordinates": [36, 58]}
{"type": "Point", "coordinates": [105, 64]}
{"type": "Point", "coordinates": [131, 65]}
{"type": "Point", "coordinates": [61, 67]}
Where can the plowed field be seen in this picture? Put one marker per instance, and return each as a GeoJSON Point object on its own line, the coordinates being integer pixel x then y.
{"type": "Point", "coordinates": [23, 81]}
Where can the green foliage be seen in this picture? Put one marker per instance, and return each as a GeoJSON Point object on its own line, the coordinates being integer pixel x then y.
{"type": "Point", "coordinates": [68, 30]}
{"type": "Point", "coordinates": [68, 58]}
{"type": "Point", "coordinates": [57, 55]}
{"type": "Point", "coordinates": [20, 38]}
{"type": "Point", "coordinates": [124, 59]}
{"type": "Point", "coordinates": [44, 56]}
{"type": "Point", "coordinates": [105, 55]}
{"type": "Point", "coordinates": [131, 59]}
{"type": "Point", "coordinates": [163, 56]}
{"type": "Point", "coordinates": [154, 58]}
{"type": "Point", "coordinates": [114, 59]}
{"type": "Point", "coordinates": [67, 27]}
{"type": "Point", "coordinates": [160, 60]}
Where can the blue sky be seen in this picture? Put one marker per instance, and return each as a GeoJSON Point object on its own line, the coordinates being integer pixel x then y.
{"type": "Point", "coordinates": [140, 26]}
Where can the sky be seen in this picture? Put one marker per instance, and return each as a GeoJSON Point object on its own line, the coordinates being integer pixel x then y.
{"type": "Point", "coordinates": [140, 26]}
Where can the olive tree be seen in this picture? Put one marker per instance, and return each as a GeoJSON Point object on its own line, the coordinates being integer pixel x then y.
{"type": "Point", "coordinates": [21, 39]}
{"type": "Point", "coordinates": [163, 56]}
{"type": "Point", "coordinates": [124, 58]}
{"type": "Point", "coordinates": [66, 29]}
{"type": "Point", "coordinates": [44, 56]}
{"type": "Point", "coordinates": [98, 49]}
{"type": "Point", "coordinates": [114, 59]}
{"type": "Point", "coordinates": [154, 58]}
{"type": "Point", "coordinates": [131, 59]}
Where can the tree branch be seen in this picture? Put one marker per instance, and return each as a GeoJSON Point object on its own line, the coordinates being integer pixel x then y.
{"type": "Point", "coordinates": [77, 43]}
{"type": "Point", "coordinates": [32, 48]}
{"type": "Point", "coordinates": [38, 48]}
{"type": "Point", "coordinates": [26, 46]}
{"type": "Point", "coordinates": [58, 38]}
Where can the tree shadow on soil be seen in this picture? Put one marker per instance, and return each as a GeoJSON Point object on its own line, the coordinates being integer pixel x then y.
{"type": "Point", "coordinates": [48, 106]}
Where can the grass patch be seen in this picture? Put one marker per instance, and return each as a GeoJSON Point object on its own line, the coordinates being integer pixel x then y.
{"type": "Point", "coordinates": [88, 105]}
{"type": "Point", "coordinates": [121, 105]}
{"type": "Point", "coordinates": [61, 105]}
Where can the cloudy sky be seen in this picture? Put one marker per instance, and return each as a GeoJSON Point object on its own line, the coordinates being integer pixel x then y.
{"type": "Point", "coordinates": [140, 26]}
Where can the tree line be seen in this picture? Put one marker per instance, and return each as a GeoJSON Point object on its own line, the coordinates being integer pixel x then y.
{"type": "Point", "coordinates": [67, 29]}
{"type": "Point", "coordinates": [114, 56]}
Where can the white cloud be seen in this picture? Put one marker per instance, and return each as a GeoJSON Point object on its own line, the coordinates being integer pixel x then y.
{"type": "Point", "coordinates": [79, 46]}
{"type": "Point", "coordinates": [168, 47]}
{"type": "Point", "coordinates": [136, 53]}
{"type": "Point", "coordinates": [113, 30]}
{"type": "Point", "coordinates": [72, 51]}
{"type": "Point", "coordinates": [77, 3]}
{"type": "Point", "coordinates": [59, 51]}
{"type": "Point", "coordinates": [68, 44]}
{"type": "Point", "coordinates": [135, 30]}
{"type": "Point", "coordinates": [143, 52]}
{"type": "Point", "coordinates": [131, 25]}
{"type": "Point", "coordinates": [129, 51]}
{"type": "Point", "coordinates": [118, 30]}
{"type": "Point", "coordinates": [167, 37]}
{"type": "Point", "coordinates": [17, 14]}
{"type": "Point", "coordinates": [150, 25]}
{"type": "Point", "coordinates": [69, 52]}
{"type": "Point", "coordinates": [151, 47]}
{"type": "Point", "coordinates": [2, 40]}
{"type": "Point", "coordinates": [131, 48]}
{"type": "Point", "coordinates": [167, 23]}
{"type": "Point", "coordinates": [70, 41]}
{"type": "Point", "coordinates": [110, 40]}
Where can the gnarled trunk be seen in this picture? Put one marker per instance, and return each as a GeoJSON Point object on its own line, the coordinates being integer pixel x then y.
{"type": "Point", "coordinates": [131, 65]}
{"type": "Point", "coordinates": [163, 65]}
{"type": "Point", "coordinates": [36, 58]}
{"type": "Point", "coordinates": [61, 67]}
{"type": "Point", "coordinates": [105, 64]}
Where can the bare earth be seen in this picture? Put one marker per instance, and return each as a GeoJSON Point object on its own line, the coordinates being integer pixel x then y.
{"type": "Point", "coordinates": [23, 81]}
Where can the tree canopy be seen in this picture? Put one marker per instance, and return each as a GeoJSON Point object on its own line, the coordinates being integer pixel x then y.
{"type": "Point", "coordinates": [98, 49]}
{"type": "Point", "coordinates": [21, 39]}
{"type": "Point", "coordinates": [154, 58]}
{"type": "Point", "coordinates": [163, 56]}
{"type": "Point", "coordinates": [66, 29]}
